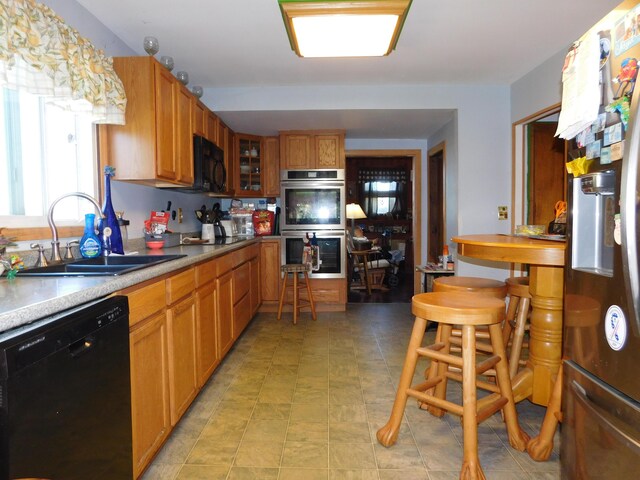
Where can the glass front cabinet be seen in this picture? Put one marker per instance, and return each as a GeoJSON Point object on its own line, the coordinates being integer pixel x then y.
{"type": "Point", "coordinates": [249, 167]}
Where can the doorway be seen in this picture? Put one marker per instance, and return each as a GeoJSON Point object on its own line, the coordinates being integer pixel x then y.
{"type": "Point", "coordinates": [404, 229]}
{"type": "Point", "coordinates": [436, 204]}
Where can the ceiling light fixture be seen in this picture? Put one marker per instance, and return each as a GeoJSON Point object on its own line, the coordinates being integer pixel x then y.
{"type": "Point", "coordinates": [344, 28]}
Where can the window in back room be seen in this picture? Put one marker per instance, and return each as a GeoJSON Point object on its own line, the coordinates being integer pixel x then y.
{"type": "Point", "coordinates": [46, 152]}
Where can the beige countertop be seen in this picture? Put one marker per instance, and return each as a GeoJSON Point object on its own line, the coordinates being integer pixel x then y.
{"type": "Point", "coordinates": [26, 299]}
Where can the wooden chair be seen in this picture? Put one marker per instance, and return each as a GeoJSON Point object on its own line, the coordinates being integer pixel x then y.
{"type": "Point", "coordinates": [368, 264]}
{"type": "Point", "coordinates": [467, 310]}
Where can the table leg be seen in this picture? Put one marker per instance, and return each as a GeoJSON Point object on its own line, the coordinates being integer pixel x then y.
{"type": "Point", "coordinates": [540, 447]}
{"type": "Point", "coordinates": [545, 342]}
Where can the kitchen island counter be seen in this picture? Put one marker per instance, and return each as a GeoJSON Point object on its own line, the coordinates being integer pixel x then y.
{"type": "Point", "coordinates": [25, 299]}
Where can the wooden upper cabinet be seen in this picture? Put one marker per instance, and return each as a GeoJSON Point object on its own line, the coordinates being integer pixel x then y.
{"type": "Point", "coordinates": [200, 117]}
{"type": "Point", "coordinates": [183, 136]}
{"type": "Point", "coordinates": [312, 149]}
{"type": "Point", "coordinates": [212, 127]}
{"type": "Point", "coordinates": [151, 148]}
{"type": "Point", "coordinates": [296, 151]}
{"type": "Point", "coordinates": [329, 150]}
{"type": "Point", "coordinates": [271, 166]}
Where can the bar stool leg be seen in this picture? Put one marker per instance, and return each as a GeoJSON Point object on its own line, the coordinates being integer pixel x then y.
{"type": "Point", "coordinates": [512, 310]}
{"type": "Point", "coordinates": [439, 369]}
{"type": "Point", "coordinates": [517, 437]}
{"type": "Point", "coordinates": [283, 291]}
{"type": "Point", "coordinates": [310, 295]}
{"type": "Point", "coordinates": [518, 336]}
{"type": "Point", "coordinates": [295, 298]}
{"type": "Point", "coordinates": [388, 434]}
{"type": "Point", "coordinates": [471, 469]}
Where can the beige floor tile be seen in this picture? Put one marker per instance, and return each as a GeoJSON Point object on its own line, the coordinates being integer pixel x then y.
{"type": "Point", "coordinates": [309, 412]}
{"type": "Point", "coordinates": [213, 451]}
{"type": "Point", "coordinates": [253, 473]}
{"type": "Point", "coordinates": [230, 429]}
{"type": "Point", "coordinates": [202, 472]}
{"type": "Point", "coordinates": [351, 456]}
{"type": "Point", "coordinates": [303, 474]}
{"type": "Point", "coordinates": [349, 432]}
{"type": "Point", "coordinates": [259, 454]}
{"type": "Point", "coordinates": [307, 431]}
{"type": "Point", "coordinates": [305, 454]}
{"type": "Point", "coordinates": [398, 456]}
{"type": "Point", "coordinates": [271, 411]}
{"type": "Point", "coordinates": [266, 430]}
{"type": "Point", "coordinates": [347, 413]}
{"type": "Point", "coordinates": [335, 474]}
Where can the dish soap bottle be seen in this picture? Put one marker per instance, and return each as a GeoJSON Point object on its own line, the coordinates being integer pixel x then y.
{"type": "Point", "coordinates": [89, 243]}
{"type": "Point", "coordinates": [109, 214]}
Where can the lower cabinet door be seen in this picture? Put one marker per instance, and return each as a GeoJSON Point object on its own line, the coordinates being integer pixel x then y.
{"type": "Point", "coordinates": [241, 315]}
{"type": "Point", "coordinates": [151, 421]}
{"type": "Point", "coordinates": [181, 322]}
{"type": "Point", "coordinates": [225, 312]}
{"type": "Point", "coordinates": [207, 339]}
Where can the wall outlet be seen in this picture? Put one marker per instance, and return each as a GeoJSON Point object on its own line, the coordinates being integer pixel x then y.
{"type": "Point", "coordinates": [503, 212]}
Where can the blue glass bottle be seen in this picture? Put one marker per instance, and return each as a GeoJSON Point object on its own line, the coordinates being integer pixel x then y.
{"type": "Point", "coordinates": [89, 243]}
{"type": "Point", "coordinates": [109, 218]}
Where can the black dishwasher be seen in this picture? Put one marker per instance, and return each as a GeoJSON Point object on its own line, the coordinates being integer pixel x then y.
{"type": "Point", "coordinates": [65, 396]}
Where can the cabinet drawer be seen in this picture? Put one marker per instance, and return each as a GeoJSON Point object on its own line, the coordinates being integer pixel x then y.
{"type": "Point", "coordinates": [146, 301]}
{"type": "Point", "coordinates": [180, 285]}
{"type": "Point", "coordinates": [205, 272]}
{"type": "Point", "coordinates": [224, 264]}
{"type": "Point", "coordinates": [241, 316]}
{"type": "Point", "coordinates": [241, 281]}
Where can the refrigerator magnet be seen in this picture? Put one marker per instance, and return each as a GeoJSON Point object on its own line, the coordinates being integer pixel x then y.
{"type": "Point", "coordinates": [615, 327]}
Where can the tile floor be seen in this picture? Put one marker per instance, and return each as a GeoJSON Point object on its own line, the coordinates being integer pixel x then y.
{"type": "Point", "coordinates": [304, 402]}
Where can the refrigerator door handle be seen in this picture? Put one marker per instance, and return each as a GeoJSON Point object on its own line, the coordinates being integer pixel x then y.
{"type": "Point", "coordinates": [605, 419]}
{"type": "Point", "coordinates": [629, 203]}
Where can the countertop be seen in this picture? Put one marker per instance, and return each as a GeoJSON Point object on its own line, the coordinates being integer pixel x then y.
{"type": "Point", "coordinates": [26, 299]}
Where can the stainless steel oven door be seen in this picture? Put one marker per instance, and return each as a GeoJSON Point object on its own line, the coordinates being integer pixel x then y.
{"type": "Point", "coordinates": [313, 205]}
{"type": "Point", "coordinates": [332, 251]}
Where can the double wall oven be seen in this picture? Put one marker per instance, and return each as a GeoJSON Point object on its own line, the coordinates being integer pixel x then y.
{"type": "Point", "coordinates": [313, 202]}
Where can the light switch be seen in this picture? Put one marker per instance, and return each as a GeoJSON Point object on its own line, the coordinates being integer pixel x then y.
{"type": "Point", "coordinates": [503, 212]}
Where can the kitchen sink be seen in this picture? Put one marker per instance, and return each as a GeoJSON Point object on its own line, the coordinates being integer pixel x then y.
{"type": "Point", "coordinates": [99, 266]}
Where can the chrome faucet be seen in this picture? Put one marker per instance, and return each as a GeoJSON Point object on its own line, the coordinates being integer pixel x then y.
{"type": "Point", "coordinates": [55, 243]}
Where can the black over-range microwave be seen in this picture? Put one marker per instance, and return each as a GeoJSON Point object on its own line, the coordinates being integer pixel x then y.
{"type": "Point", "coordinates": [210, 175]}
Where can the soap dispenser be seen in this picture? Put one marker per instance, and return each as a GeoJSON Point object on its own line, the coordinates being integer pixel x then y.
{"type": "Point", "coordinates": [89, 243]}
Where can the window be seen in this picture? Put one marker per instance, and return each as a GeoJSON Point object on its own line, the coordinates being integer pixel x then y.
{"type": "Point", "coordinates": [46, 152]}
{"type": "Point", "coordinates": [381, 196]}
{"type": "Point", "coordinates": [383, 191]}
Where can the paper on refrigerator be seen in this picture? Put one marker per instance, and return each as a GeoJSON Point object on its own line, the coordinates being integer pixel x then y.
{"type": "Point", "coordinates": [580, 86]}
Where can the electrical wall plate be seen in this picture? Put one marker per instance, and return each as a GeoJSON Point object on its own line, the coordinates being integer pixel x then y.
{"type": "Point", "coordinates": [503, 212]}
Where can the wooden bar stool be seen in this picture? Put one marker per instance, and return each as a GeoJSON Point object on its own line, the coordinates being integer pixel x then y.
{"type": "Point", "coordinates": [467, 310]}
{"type": "Point", "coordinates": [517, 321]}
{"type": "Point", "coordinates": [295, 269]}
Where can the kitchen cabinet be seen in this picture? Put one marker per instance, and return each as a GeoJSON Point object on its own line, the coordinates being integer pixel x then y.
{"type": "Point", "coordinates": [181, 330]}
{"type": "Point", "coordinates": [249, 165]}
{"type": "Point", "coordinates": [270, 269]}
{"type": "Point", "coordinates": [150, 406]}
{"type": "Point", "coordinates": [254, 292]}
{"type": "Point", "coordinates": [207, 349]}
{"type": "Point", "coordinates": [212, 127]}
{"type": "Point", "coordinates": [312, 149]}
{"type": "Point", "coordinates": [271, 167]}
{"type": "Point", "coordinates": [155, 147]}
{"type": "Point", "coordinates": [200, 118]}
{"type": "Point", "coordinates": [224, 286]}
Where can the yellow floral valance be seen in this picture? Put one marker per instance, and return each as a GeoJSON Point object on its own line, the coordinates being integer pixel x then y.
{"type": "Point", "coordinates": [45, 56]}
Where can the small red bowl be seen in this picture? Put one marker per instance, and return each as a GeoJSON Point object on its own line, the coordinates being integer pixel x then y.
{"type": "Point", "coordinates": [155, 244]}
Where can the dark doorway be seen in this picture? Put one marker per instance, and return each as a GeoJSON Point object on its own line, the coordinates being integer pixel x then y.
{"type": "Point", "coordinates": [547, 174]}
{"type": "Point", "coordinates": [436, 212]}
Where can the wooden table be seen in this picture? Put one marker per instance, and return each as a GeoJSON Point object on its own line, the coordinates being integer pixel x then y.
{"type": "Point", "coordinates": [540, 381]}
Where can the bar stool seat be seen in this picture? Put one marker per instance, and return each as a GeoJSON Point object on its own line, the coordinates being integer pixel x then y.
{"type": "Point", "coordinates": [468, 310]}
{"type": "Point", "coordinates": [486, 286]}
{"type": "Point", "coordinates": [295, 269]}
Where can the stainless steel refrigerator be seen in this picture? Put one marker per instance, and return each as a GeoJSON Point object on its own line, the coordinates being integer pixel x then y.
{"type": "Point", "coordinates": [600, 432]}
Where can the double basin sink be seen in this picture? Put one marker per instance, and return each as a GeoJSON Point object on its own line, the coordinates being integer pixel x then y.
{"type": "Point", "coordinates": [99, 266]}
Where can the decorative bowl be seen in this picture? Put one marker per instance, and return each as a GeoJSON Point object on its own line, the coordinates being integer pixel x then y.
{"type": "Point", "coordinates": [155, 244]}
